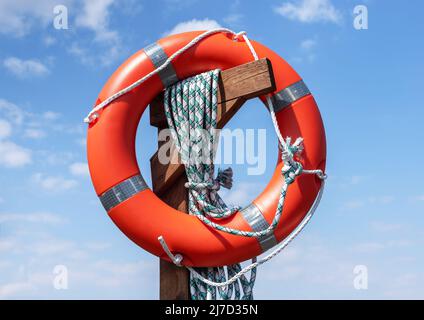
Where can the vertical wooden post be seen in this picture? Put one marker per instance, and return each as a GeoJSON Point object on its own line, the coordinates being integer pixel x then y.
{"type": "Point", "coordinates": [174, 281]}
{"type": "Point", "coordinates": [236, 86]}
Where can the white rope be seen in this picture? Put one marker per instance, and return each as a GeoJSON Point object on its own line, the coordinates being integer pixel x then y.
{"type": "Point", "coordinates": [288, 161]}
{"type": "Point", "coordinates": [274, 253]}
{"type": "Point", "coordinates": [93, 113]}
{"type": "Point", "coordinates": [176, 259]}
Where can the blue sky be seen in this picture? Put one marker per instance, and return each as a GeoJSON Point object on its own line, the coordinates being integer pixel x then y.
{"type": "Point", "coordinates": [366, 82]}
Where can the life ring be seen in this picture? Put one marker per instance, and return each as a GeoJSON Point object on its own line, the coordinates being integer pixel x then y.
{"type": "Point", "coordinates": [139, 213]}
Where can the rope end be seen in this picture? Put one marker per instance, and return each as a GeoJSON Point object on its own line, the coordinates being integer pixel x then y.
{"type": "Point", "coordinates": [176, 259]}
{"type": "Point", "coordinates": [225, 178]}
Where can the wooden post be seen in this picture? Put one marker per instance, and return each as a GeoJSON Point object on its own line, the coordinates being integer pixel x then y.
{"type": "Point", "coordinates": [236, 85]}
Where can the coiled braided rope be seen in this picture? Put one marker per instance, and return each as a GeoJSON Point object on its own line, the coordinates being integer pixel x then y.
{"type": "Point", "coordinates": [191, 110]}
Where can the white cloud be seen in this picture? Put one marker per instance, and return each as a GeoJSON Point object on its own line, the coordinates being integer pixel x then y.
{"type": "Point", "coordinates": [418, 198]}
{"type": "Point", "coordinates": [381, 199]}
{"type": "Point", "coordinates": [307, 53]}
{"type": "Point", "coordinates": [14, 288]}
{"type": "Point", "coordinates": [25, 68]}
{"type": "Point", "coordinates": [382, 226]}
{"type": "Point", "coordinates": [233, 19]}
{"type": "Point", "coordinates": [95, 16]}
{"type": "Point", "coordinates": [97, 246]}
{"type": "Point", "coordinates": [372, 247]}
{"type": "Point", "coordinates": [17, 17]}
{"type": "Point", "coordinates": [56, 158]}
{"type": "Point", "coordinates": [308, 44]}
{"type": "Point", "coordinates": [309, 11]}
{"type": "Point", "coordinates": [369, 247]}
{"type": "Point", "coordinates": [194, 25]}
{"type": "Point", "coordinates": [48, 247]}
{"type": "Point", "coordinates": [34, 133]}
{"type": "Point", "coordinates": [5, 129]}
{"type": "Point", "coordinates": [12, 111]}
{"type": "Point", "coordinates": [105, 57]}
{"type": "Point", "coordinates": [45, 218]}
{"type": "Point", "coordinates": [6, 245]}
{"type": "Point", "coordinates": [49, 41]}
{"type": "Point", "coordinates": [79, 169]}
{"type": "Point", "coordinates": [12, 155]}
{"type": "Point", "coordinates": [241, 194]}
{"type": "Point", "coordinates": [53, 183]}
{"type": "Point", "coordinates": [21, 17]}
{"type": "Point", "coordinates": [371, 200]}
{"type": "Point", "coordinates": [51, 115]}
{"type": "Point", "coordinates": [353, 204]}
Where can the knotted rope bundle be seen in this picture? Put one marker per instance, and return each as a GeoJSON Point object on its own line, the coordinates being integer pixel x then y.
{"type": "Point", "coordinates": [191, 111]}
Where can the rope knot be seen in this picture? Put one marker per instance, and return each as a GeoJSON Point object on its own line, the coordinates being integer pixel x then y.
{"type": "Point", "coordinates": [291, 168]}
{"type": "Point", "coordinates": [291, 171]}
{"type": "Point", "coordinates": [224, 178]}
{"type": "Point", "coordinates": [237, 35]}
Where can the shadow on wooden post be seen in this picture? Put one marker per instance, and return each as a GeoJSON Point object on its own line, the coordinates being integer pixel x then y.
{"type": "Point", "coordinates": [236, 85]}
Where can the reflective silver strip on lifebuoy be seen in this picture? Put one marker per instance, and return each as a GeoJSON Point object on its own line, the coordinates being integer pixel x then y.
{"type": "Point", "coordinates": [257, 222]}
{"type": "Point", "coordinates": [122, 191]}
{"type": "Point", "coordinates": [158, 58]}
{"type": "Point", "coordinates": [287, 96]}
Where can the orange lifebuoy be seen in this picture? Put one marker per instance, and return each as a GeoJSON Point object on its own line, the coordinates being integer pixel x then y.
{"type": "Point", "coordinates": [139, 213]}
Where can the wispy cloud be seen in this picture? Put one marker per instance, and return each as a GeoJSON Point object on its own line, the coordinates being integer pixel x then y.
{"type": "Point", "coordinates": [308, 44]}
{"type": "Point", "coordinates": [241, 194]}
{"type": "Point", "coordinates": [233, 20]}
{"type": "Point", "coordinates": [309, 11]}
{"type": "Point", "coordinates": [95, 15]}
{"type": "Point", "coordinates": [17, 18]}
{"type": "Point", "coordinates": [34, 133]}
{"type": "Point", "coordinates": [5, 129]}
{"type": "Point", "coordinates": [372, 247]}
{"type": "Point", "coordinates": [382, 226]}
{"type": "Point", "coordinates": [194, 25]}
{"type": "Point", "coordinates": [45, 218]}
{"type": "Point", "coordinates": [6, 244]}
{"type": "Point", "coordinates": [79, 169]}
{"type": "Point", "coordinates": [13, 155]}
{"type": "Point", "coordinates": [367, 201]}
{"type": "Point", "coordinates": [14, 288]}
{"type": "Point", "coordinates": [25, 68]}
{"type": "Point", "coordinates": [306, 52]}
{"type": "Point", "coordinates": [418, 198]}
{"type": "Point", "coordinates": [12, 111]}
{"type": "Point", "coordinates": [53, 183]}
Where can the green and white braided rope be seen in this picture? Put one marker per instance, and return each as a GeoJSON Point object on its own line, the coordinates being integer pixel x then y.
{"type": "Point", "coordinates": [191, 109]}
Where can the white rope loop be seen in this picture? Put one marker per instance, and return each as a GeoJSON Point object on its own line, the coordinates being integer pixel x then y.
{"type": "Point", "coordinates": [93, 115]}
